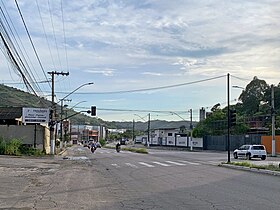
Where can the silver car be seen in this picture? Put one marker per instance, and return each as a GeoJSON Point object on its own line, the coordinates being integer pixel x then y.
{"type": "Point", "coordinates": [250, 151]}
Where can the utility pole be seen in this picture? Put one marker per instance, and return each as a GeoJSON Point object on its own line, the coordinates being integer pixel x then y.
{"type": "Point", "coordinates": [273, 122]}
{"type": "Point", "coordinates": [149, 122]}
{"type": "Point", "coordinates": [133, 127]}
{"type": "Point", "coordinates": [228, 115]}
{"type": "Point", "coordinates": [191, 127]}
{"type": "Point", "coordinates": [61, 121]}
{"type": "Point", "coordinates": [53, 111]}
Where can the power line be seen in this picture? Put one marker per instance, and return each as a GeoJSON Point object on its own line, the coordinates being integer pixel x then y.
{"type": "Point", "coordinates": [43, 26]}
{"type": "Point", "coordinates": [147, 89]}
{"type": "Point", "coordinates": [37, 56]}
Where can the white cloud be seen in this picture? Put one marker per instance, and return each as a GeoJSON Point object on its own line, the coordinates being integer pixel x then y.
{"type": "Point", "coordinates": [105, 72]}
{"type": "Point", "coordinates": [122, 43]}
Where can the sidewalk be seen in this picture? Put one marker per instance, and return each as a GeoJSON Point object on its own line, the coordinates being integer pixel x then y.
{"type": "Point", "coordinates": [269, 166]}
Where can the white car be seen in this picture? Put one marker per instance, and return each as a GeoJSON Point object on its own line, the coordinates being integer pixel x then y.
{"type": "Point", "coordinates": [250, 151]}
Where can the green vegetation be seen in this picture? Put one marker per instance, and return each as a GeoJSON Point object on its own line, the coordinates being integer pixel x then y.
{"type": "Point", "coordinates": [270, 167]}
{"type": "Point", "coordinates": [253, 106]}
{"type": "Point", "coordinates": [102, 142]}
{"type": "Point", "coordinates": [15, 147]}
{"type": "Point", "coordinates": [137, 150]}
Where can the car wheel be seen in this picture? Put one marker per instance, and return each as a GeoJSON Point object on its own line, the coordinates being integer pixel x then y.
{"type": "Point", "coordinates": [248, 156]}
{"type": "Point", "coordinates": [263, 157]}
{"type": "Point", "coordinates": [235, 155]}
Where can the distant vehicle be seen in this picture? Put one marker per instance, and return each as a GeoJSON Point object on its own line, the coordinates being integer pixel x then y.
{"type": "Point", "coordinates": [123, 141]}
{"type": "Point", "coordinates": [250, 151]}
{"type": "Point", "coordinates": [138, 140]}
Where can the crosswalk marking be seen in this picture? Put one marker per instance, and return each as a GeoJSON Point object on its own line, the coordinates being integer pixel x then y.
{"type": "Point", "coordinates": [131, 165]}
{"type": "Point", "coordinates": [153, 164]}
{"type": "Point", "coordinates": [191, 163]}
{"type": "Point", "coordinates": [146, 164]}
{"type": "Point", "coordinates": [175, 163]}
{"type": "Point", "coordinates": [161, 164]}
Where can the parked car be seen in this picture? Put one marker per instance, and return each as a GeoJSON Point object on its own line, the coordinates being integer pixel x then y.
{"type": "Point", "coordinates": [123, 141]}
{"type": "Point", "coordinates": [250, 151]}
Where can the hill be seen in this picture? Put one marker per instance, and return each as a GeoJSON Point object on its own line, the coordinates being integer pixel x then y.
{"type": "Point", "coordinates": [12, 97]}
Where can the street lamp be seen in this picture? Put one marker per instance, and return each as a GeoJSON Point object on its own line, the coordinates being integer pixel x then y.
{"type": "Point", "coordinates": [77, 104]}
{"type": "Point", "coordinates": [235, 86]}
{"type": "Point", "coordinates": [61, 100]}
{"type": "Point", "coordinates": [149, 125]}
{"type": "Point", "coordinates": [89, 83]}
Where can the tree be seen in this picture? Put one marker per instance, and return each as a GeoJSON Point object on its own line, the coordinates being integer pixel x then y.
{"type": "Point", "coordinates": [253, 97]}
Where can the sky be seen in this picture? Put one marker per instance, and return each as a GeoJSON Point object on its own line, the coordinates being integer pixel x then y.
{"type": "Point", "coordinates": [151, 56]}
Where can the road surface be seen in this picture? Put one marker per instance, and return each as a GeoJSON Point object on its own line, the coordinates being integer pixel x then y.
{"type": "Point", "coordinates": [125, 180]}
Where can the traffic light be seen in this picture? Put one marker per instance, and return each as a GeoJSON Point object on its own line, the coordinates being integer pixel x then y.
{"type": "Point", "coordinates": [93, 111]}
{"type": "Point", "coordinates": [232, 117]}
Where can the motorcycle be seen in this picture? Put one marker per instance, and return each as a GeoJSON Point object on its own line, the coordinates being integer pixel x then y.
{"type": "Point", "coordinates": [92, 149]}
{"type": "Point", "coordinates": [118, 148]}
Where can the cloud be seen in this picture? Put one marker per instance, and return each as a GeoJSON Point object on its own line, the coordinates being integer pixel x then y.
{"type": "Point", "coordinates": [105, 72]}
{"type": "Point", "coordinates": [152, 73]}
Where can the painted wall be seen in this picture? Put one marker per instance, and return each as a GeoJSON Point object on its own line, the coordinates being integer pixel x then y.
{"type": "Point", "coordinates": [267, 142]}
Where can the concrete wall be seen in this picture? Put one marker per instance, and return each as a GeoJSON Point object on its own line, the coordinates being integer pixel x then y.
{"type": "Point", "coordinates": [29, 134]}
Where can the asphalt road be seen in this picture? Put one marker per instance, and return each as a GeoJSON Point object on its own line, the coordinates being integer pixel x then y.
{"type": "Point", "coordinates": [125, 180]}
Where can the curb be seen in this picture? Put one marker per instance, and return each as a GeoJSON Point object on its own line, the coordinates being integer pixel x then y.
{"type": "Point", "coordinates": [254, 170]}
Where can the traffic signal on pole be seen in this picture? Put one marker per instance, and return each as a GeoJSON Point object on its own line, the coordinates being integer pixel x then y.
{"type": "Point", "coordinates": [232, 117]}
{"type": "Point", "coordinates": [93, 111]}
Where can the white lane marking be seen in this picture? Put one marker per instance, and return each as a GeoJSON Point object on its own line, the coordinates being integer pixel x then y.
{"type": "Point", "coordinates": [131, 165]}
{"type": "Point", "coordinates": [100, 152]}
{"type": "Point", "coordinates": [175, 163]}
{"type": "Point", "coordinates": [146, 164]}
{"type": "Point", "coordinates": [115, 165]}
{"type": "Point", "coordinates": [188, 162]}
{"type": "Point", "coordinates": [161, 164]}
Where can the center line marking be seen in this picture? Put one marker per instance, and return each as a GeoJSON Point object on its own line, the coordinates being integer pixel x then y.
{"type": "Point", "coordinates": [116, 165]}
{"type": "Point", "coordinates": [146, 164]}
{"type": "Point", "coordinates": [131, 165]}
{"type": "Point", "coordinates": [161, 164]}
{"type": "Point", "coordinates": [175, 163]}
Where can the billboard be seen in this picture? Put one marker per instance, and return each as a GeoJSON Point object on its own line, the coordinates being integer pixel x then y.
{"type": "Point", "coordinates": [35, 115]}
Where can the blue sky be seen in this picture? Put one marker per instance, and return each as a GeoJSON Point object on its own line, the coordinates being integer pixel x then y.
{"type": "Point", "coordinates": [132, 45]}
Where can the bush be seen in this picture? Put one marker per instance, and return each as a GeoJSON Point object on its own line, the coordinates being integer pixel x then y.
{"type": "Point", "coordinates": [15, 147]}
{"type": "Point", "coordinates": [102, 142]}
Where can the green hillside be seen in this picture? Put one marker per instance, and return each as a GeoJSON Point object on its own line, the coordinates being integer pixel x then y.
{"type": "Point", "coordinates": [12, 97]}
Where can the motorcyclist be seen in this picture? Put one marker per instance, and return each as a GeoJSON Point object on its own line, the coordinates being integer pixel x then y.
{"type": "Point", "coordinates": [118, 147]}
{"type": "Point", "coordinates": [93, 147]}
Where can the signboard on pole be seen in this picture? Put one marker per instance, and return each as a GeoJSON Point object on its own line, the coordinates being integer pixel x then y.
{"type": "Point", "coordinates": [35, 115]}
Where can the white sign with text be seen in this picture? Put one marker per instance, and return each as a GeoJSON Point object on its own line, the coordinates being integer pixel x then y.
{"type": "Point", "coordinates": [35, 115]}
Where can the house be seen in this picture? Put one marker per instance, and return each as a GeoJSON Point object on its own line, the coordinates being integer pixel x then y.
{"type": "Point", "coordinates": [31, 134]}
{"type": "Point", "coordinates": [168, 137]}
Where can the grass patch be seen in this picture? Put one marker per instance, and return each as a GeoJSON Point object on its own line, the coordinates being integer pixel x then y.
{"type": "Point", "coordinates": [270, 167]}
{"type": "Point", "coordinates": [137, 150]}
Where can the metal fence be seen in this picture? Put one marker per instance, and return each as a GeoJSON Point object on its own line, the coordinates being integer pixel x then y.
{"type": "Point", "coordinates": [220, 142]}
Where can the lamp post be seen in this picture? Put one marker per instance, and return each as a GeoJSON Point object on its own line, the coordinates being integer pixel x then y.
{"type": "Point", "coordinates": [149, 122]}
{"type": "Point", "coordinates": [236, 86]}
{"type": "Point", "coordinates": [191, 126]}
{"type": "Point", "coordinates": [61, 100]}
{"type": "Point", "coordinates": [77, 104]}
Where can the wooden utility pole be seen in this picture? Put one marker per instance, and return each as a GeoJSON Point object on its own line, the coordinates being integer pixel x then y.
{"type": "Point", "coordinates": [53, 111]}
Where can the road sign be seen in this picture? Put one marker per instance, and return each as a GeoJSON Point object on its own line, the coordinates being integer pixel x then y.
{"type": "Point", "coordinates": [35, 115]}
